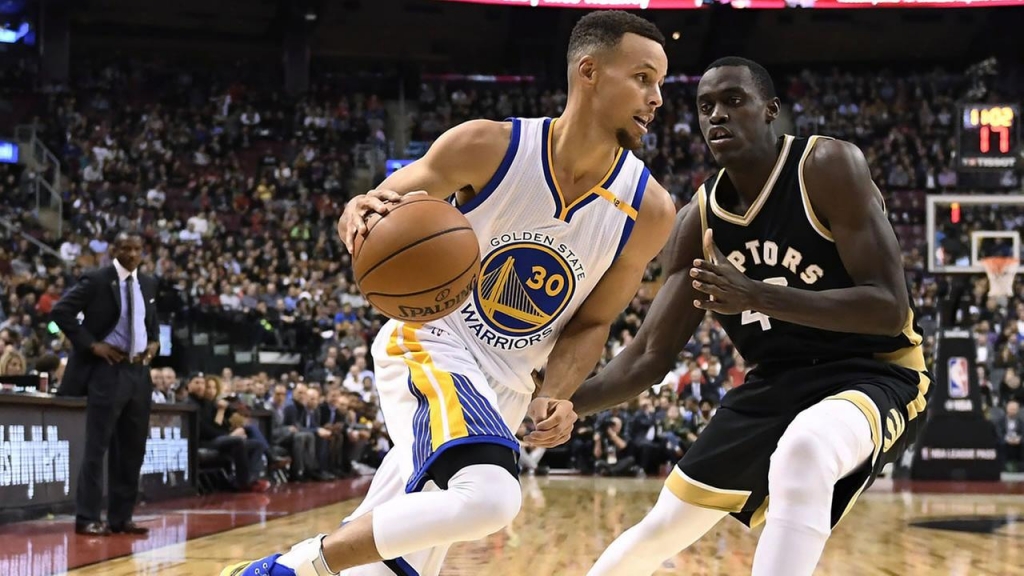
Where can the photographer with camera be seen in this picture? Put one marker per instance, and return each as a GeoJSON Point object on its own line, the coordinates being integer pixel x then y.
{"type": "Point", "coordinates": [612, 451]}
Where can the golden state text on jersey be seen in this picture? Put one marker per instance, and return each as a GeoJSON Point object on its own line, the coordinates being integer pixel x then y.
{"type": "Point", "coordinates": [526, 281]}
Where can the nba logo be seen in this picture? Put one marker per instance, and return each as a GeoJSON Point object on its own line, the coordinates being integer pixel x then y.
{"type": "Point", "coordinates": [959, 385]}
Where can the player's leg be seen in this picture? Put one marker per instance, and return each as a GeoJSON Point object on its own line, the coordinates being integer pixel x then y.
{"type": "Point", "coordinates": [668, 528]}
{"type": "Point", "coordinates": [449, 433]}
{"type": "Point", "coordinates": [482, 495]}
{"type": "Point", "coordinates": [716, 476]}
{"type": "Point", "coordinates": [479, 500]}
{"type": "Point", "coordinates": [823, 444]}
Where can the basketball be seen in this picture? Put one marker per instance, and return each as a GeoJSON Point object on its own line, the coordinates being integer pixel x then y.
{"type": "Point", "coordinates": [418, 262]}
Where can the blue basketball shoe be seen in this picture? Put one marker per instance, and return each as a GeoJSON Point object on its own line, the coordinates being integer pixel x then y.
{"type": "Point", "coordinates": [304, 559]}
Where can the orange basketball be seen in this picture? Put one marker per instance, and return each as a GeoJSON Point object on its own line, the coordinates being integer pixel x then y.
{"type": "Point", "coordinates": [418, 262]}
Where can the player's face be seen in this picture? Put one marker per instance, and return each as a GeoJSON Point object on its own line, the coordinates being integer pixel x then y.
{"type": "Point", "coordinates": [733, 114]}
{"type": "Point", "coordinates": [627, 88]}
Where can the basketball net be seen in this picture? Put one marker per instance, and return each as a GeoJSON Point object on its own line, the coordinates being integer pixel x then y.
{"type": "Point", "coordinates": [1000, 271]}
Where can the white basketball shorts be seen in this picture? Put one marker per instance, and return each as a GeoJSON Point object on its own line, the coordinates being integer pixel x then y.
{"type": "Point", "coordinates": [433, 396]}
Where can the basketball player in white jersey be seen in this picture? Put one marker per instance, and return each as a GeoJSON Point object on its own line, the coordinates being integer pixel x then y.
{"type": "Point", "coordinates": [567, 220]}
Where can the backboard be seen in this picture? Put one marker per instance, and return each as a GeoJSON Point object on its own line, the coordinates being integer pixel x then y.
{"type": "Point", "coordinates": [961, 229]}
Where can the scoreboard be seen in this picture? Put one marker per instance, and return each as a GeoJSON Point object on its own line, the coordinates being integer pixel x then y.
{"type": "Point", "coordinates": [988, 137]}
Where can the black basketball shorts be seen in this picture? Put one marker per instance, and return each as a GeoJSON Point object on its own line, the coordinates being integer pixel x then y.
{"type": "Point", "coordinates": [727, 467]}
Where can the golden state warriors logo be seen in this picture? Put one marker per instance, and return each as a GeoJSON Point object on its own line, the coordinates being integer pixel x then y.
{"type": "Point", "coordinates": [523, 287]}
{"type": "Point", "coordinates": [525, 284]}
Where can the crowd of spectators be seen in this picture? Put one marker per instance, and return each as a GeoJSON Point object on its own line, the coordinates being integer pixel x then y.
{"type": "Point", "coordinates": [237, 189]}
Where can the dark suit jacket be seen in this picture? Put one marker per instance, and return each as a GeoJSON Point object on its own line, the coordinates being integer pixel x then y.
{"type": "Point", "coordinates": [1002, 426]}
{"type": "Point", "coordinates": [98, 295]}
{"type": "Point", "coordinates": [295, 415]}
{"type": "Point", "coordinates": [325, 417]}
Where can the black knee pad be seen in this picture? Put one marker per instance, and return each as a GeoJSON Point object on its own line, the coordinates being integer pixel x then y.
{"type": "Point", "coordinates": [458, 457]}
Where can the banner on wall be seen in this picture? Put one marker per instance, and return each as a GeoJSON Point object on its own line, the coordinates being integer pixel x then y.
{"type": "Point", "coordinates": [41, 451]}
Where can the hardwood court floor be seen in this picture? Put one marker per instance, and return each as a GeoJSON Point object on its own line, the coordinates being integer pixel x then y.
{"type": "Point", "coordinates": [567, 521]}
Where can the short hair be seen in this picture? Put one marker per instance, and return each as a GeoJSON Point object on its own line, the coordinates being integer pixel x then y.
{"type": "Point", "coordinates": [603, 29]}
{"type": "Point", "coordinates": [762, 79]}
{"type": "Point", "coordinates": [122, 235]}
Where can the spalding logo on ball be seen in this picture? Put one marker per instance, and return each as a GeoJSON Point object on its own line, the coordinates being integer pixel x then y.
{"type": "Point", "coordinates": [419, 262]}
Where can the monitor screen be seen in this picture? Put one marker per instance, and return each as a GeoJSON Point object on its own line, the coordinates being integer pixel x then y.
{"type": "Point", "coordinates": [165, 339]}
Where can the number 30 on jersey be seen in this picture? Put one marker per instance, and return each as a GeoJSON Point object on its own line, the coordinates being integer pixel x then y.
{"type": "Point", "coordinates": [749, 316]}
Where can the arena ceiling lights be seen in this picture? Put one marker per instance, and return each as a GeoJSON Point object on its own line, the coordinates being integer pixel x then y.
{"type": "Point", "coordinates": [756, 4]}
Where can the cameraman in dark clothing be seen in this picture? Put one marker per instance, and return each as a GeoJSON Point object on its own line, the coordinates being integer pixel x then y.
{"type": "Point", "coordinates": [645, 442]}
{"type": "Point", "coordinates": [611, 447]}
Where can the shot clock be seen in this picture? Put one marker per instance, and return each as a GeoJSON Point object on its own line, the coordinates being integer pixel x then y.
{"type": "Point", "coordinates": [988, 136]}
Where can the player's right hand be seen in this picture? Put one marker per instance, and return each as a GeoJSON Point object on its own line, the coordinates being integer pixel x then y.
{"type": "Point", "coordinates": [553, 422]}
{"type": "Point", "coordinates": [107, 352]}
{"type": "Point", "coordinates": [359, 210]}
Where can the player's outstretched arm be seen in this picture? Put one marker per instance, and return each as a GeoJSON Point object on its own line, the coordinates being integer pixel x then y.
{"type": "Point", "coordinates": [670, 322]}
{"type": "Point", "coordinates": [583, 339]}
{"type": "Point", "coordinates": [464, 156]}
{"type": "Point", "coordinates": [839, 185]}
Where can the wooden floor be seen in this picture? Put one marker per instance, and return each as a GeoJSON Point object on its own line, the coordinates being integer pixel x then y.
{"type": "Point", "coordinates": [566, 522]}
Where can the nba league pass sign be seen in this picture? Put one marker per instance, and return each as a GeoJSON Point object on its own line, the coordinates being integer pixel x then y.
{"type": "Point", "coordinates": [958, 442]}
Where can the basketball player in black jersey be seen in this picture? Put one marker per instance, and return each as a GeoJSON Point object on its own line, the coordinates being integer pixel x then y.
{"type": "Point", "coordinates": [788, 246]}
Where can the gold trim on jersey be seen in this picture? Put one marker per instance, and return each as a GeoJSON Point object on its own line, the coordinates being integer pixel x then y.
{"type": "Point", "coordinates": [870, 411]}
{"type": "Point", "coordinates": [812, 218]}
{"type": "Point", "coordinates": [853, 500]}
{"type": "Point", "coordinates": [699, 494]}
{"type": "Point", "coordinates": [621, 206]}
{"type": "Point", "coordinates": [762, 196]}
{"type": "Point", "coordinates": [912, 358]}
{"type": "Point", "coordinates": [864, 403]}
{"type": "Point", "coordinates": [565, 206]}
{"type": "Point", "coordinates": [867, 407]}
{"type": "Point", "coordinates": [758, 517]}
{"type": "Point", "coordinates": [702, 205]}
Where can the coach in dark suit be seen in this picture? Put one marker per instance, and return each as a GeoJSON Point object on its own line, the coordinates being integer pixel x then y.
{"type": "Point", "coordinates": [112, 348]}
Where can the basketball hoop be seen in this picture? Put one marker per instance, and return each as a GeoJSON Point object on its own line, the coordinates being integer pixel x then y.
{"type": "Point", "coordinates": [1000, 271]}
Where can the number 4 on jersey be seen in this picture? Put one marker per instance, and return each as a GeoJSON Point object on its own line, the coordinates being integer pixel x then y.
{"type": "Point", "coordinates": [749, 316]}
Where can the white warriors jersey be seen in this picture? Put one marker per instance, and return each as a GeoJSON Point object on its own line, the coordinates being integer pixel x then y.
{"type": "Point", "coordinates": [541, 256]}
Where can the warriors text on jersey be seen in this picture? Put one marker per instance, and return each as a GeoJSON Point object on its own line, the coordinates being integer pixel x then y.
{"type": "Point", "coordinates": [542, 256]}
{"type": "Point", "coordinates": [780, 240]}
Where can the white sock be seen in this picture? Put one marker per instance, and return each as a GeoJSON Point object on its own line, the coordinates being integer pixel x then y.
{"type": "Point", "coordinates": [306, 558]}
{"type": "Point", "coordinates": [824, 443]}
{"type": "Point", "coordinates": [668, 528]}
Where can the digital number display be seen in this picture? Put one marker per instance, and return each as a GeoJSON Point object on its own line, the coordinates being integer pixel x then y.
{"type": "Point", "coordinates": [989, 136]}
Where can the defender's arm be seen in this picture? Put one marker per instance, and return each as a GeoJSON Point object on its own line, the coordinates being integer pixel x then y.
{"type": "Point", "coordinates": [581, 343]}
{"type": "Point", "coordinates": [670, 322]}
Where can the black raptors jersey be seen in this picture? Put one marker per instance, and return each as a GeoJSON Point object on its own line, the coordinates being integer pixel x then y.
{"type": "Point", "coordinates": [781, 241]}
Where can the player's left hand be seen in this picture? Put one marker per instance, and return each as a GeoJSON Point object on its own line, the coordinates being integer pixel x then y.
{"type": "Point", "coordinates": [553, 422]}
{"type": "Point", "coordinates": [730, 290]}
